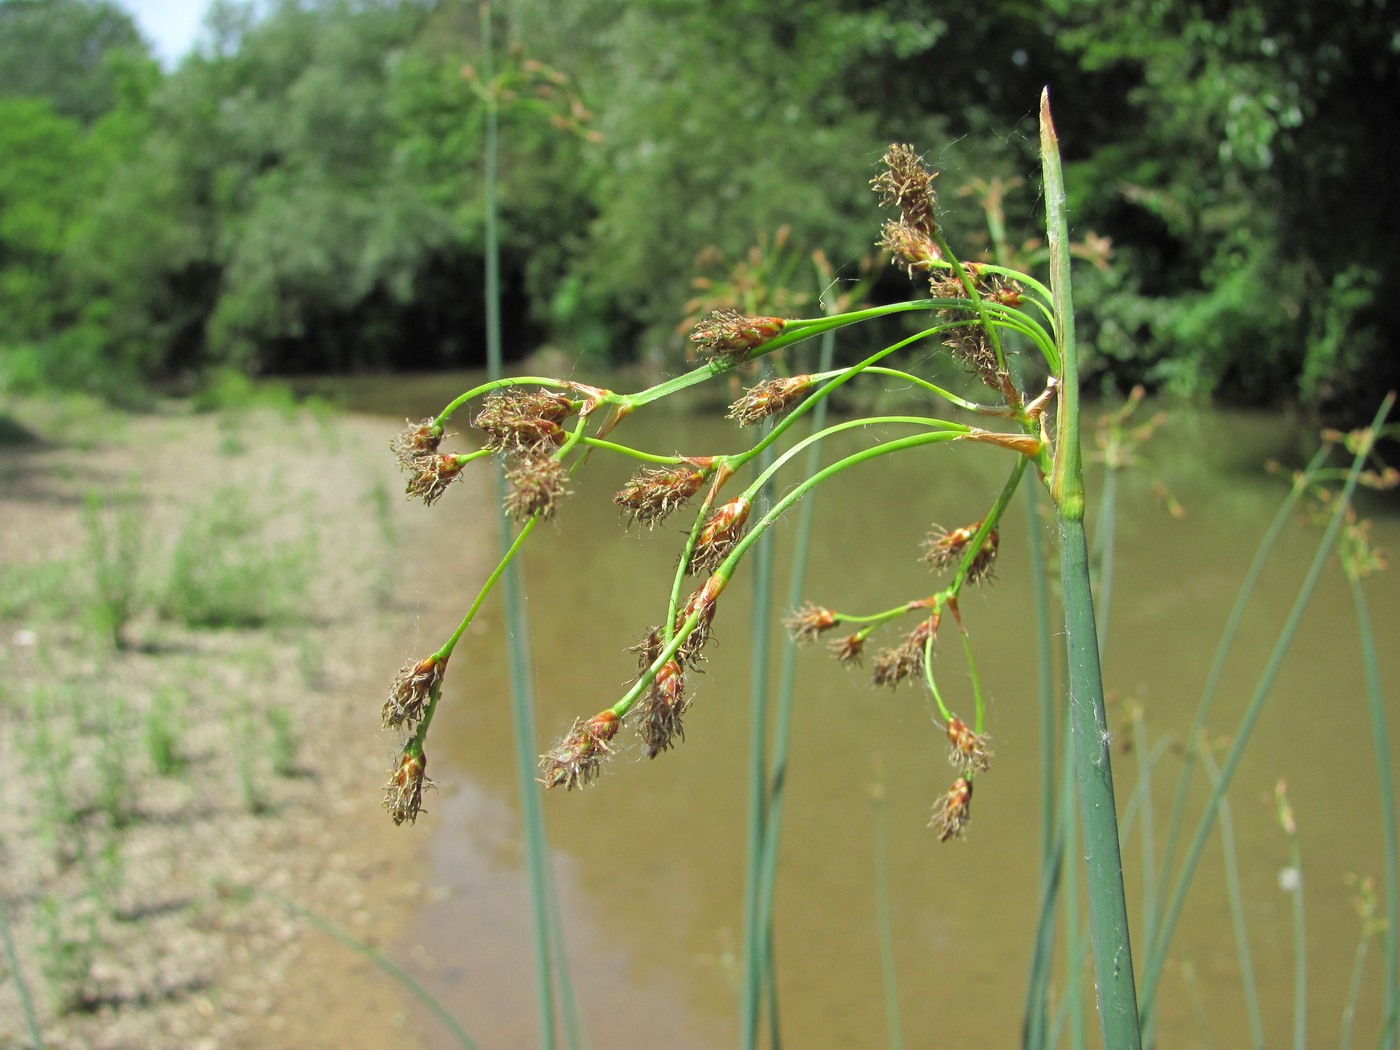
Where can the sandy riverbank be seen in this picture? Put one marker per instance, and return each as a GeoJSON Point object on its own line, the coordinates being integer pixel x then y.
{"type": "Point", "coordinates": [126, 886]}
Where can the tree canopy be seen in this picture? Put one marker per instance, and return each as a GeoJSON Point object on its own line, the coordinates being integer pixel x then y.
{"type": "Point", "coordinates": [303, 192]}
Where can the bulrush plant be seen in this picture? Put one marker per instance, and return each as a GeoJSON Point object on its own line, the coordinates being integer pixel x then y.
{"type": "Point", "coordinates": [544, 430]}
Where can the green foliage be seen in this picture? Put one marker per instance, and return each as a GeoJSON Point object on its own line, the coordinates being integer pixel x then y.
{"type": "Point", "coordinates": [68, 52]}
{"type": "Point", "coordinates": [304, 193]}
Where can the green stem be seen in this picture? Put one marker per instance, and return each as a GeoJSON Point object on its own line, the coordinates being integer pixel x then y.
{"type": "Point", "coordinates": [894, 1031]}
{"type": "Point", "coordinates": [776, 774]}
{"type": "Point", "coordinates": [1250, 987]}
{"type": "Point", "coordinates": [31, 1019]}
{"type": "Point", "coordinates": [758, 959]}
{"type": "Point", "coordinates": [391, 969]}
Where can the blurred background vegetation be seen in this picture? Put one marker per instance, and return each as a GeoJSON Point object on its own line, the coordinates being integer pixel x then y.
{"type": "Point", "coordinates": [301, 193]}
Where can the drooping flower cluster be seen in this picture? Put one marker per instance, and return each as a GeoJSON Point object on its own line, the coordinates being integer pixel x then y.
{"type": "Point", "coordinates": [525, 427]}
{"type": "Point", "coordinates": [523, 421]}
{"type": "Point", "coordinates": [893, 666]}
{"type": "Point", "coordinates": [661, 708]}
{"type": "Point", "coordinates": [429, 472]}
{"type": "Point", "coordinates": [538, 484]}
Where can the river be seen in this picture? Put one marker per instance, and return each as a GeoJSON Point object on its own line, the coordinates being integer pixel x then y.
{"type": "Point", "coordinates": [649, 862]}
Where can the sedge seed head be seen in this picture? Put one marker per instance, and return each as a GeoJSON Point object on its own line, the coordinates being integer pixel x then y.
{"type": "Point", "coordinates": [769, 398]}
{"type": "Point", "coordinates": [538, 485]}
{"type": "Point", "coordinates": [403, 795]}
{"type": "Point", "coordinates": [968, 752]}
{"type": "Point", "coordinates": [416, 685]}
{"type": "Point", "coordinates": [414, 442]}
{"type": "Point", "coordinates": [730, 332]}
{"type": "Point", "coordinates": [718, 536]}
{"type": "Point", "coordinates": [660, 711]}
{"type": "Point", "coordinates": [578, 758]}
{"type": "Point", "coordinates": [908, 185]}
{"type": "Point", "coordinates": [652, 494]}
{"type": "Point", "coordinates": [810, 622]}
{"type": "Point", "coordinates": [524, 422]}
{"type": "Point", "coordinates": [952, 810]}
{"type": "Point", "coordinates": [430, 476]}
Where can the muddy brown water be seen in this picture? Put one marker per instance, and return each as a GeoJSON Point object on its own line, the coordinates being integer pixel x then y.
{"type": "Point", "coordinates": [649, 862]}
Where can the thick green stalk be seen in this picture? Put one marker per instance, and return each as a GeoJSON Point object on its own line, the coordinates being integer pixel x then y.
{"type": "Point", "coordinates": [1108, 912]}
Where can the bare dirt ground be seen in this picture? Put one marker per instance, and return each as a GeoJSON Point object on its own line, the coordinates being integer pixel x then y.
{"type": "Point", "coordinates": [147, 906]}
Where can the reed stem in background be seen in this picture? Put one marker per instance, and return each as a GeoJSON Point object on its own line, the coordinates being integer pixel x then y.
{"type": "Point", "coordinates": [766, 807]}
{"type": "Point", "coordinates": [390, 968]}
{"type": "Point", "coordinates": [1375, 703]}
{"type": "Point", "coordinates": [1156, 953]}
{"type": "Point", "coordinates": [1249, 986]}
{"type": "Point", "coordinates": [894, 1029]}
{"type": "Point", "coordinates": [26, 1002]}
{"type": "Point", "coordinates": [521, 692]}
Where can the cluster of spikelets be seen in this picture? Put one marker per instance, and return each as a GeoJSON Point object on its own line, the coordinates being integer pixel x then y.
{"type": "Point", "coordinates": [526, 428]}
{"type": "Point", "coordinates": [969, 752]}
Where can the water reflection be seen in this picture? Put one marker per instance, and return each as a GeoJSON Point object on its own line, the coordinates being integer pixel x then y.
{"type": "Point", "coordinates": [649, 863]}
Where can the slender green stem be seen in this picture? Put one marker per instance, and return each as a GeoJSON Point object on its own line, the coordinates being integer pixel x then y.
{"type": "Point", "coordinates": [393, 970]}
{"type": "Point", "coordinates": [1375, 702]}
{"type": "Point", "coordinates": [1358, 970]}
{"type": "Point", "coordinates": [1146, 767]}
{"type": "Point", "coordinates": [1051, 845]}
{"type": "Point", "coordinates": [758, 962]}
{"type": "Point", "coordinates": [1300, 949]}
{"type": "Point", "coordinates": [1249, 986]}
{"type": "Point", "coordinates": [894, 1029]}
{"type": "Point", "coordinates": [776, 774]}
{"type": "Point", "coordinates": [26, 1003]}
{"type": "Point", "coordinates": [522, 699]}
{"type": "Point", "coordinates": [1105, 533]}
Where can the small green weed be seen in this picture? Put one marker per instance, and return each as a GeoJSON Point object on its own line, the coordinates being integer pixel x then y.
{"type": "Point", "coordinates": [114, 552]}
{"type": "Point", "coordinates": [163, 729]}
{"type": "Point", "coordinates": [225, 572]}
